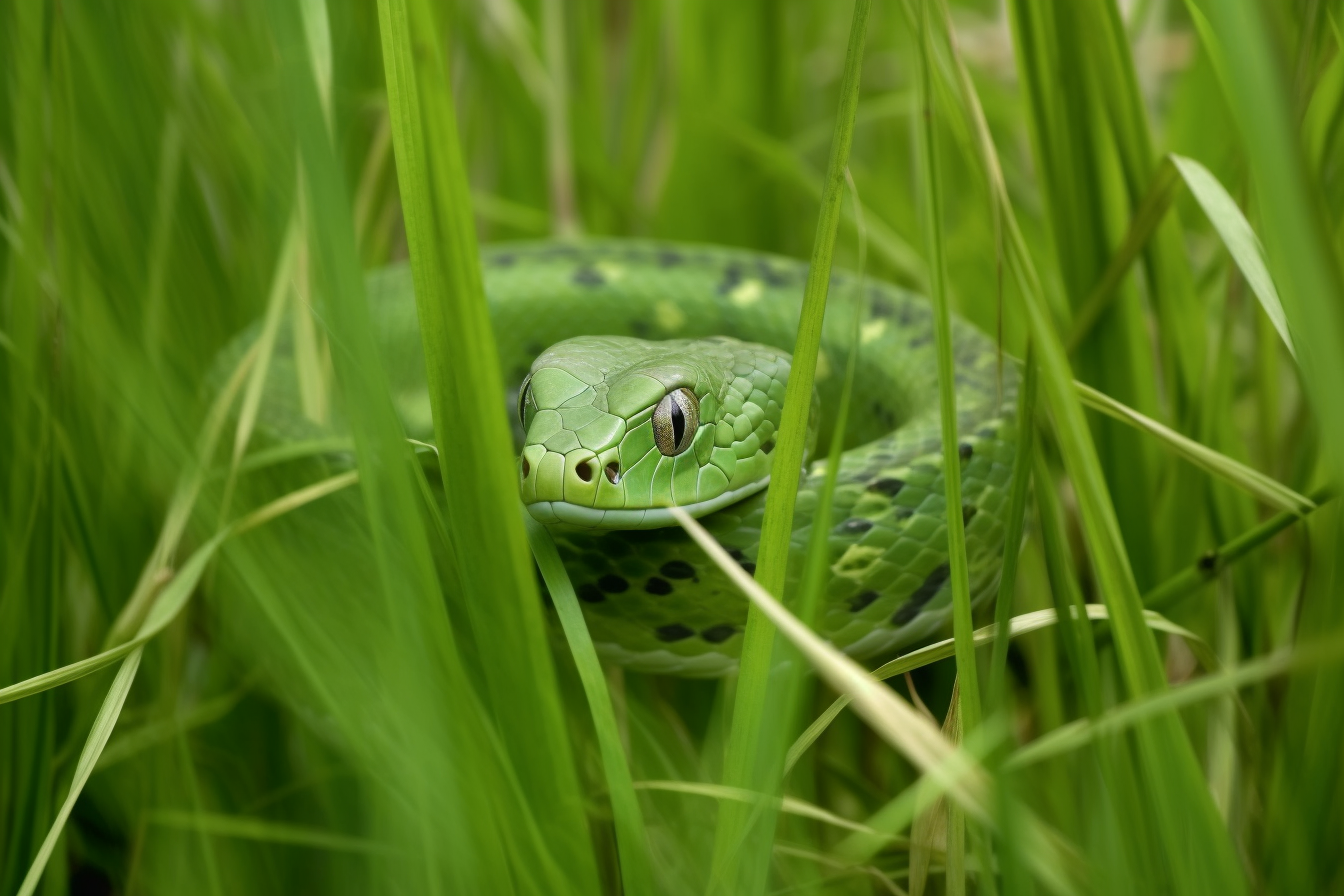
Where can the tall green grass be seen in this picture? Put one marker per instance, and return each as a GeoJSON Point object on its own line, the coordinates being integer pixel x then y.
{"type": "Point", "coordinates": [231, 666]}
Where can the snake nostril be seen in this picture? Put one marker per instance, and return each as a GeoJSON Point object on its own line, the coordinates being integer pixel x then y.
{"type": "Point", "coordinates": [527, 468]}
{"type": "Point", "coordinates": [585, 471]}
{"type": "Point", "coordinates": [613, 472]}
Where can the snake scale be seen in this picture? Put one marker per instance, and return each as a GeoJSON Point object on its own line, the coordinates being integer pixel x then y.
{"type": "Point", "coordinates": [650, 373]}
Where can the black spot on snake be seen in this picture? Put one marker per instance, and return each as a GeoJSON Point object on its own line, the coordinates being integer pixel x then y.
{"type": "Point", "coordinates": [502, 260]}
{"type": "Point", "coordinates": [674, 632]}
{"type": "Point", "coordinates": [667, 258]}
{"type": "Point", "coordinates": [640, 328]}
{"type": "Point", "coordinates": [861, 600]}
{"type": "Point", "coordinates": [768, 446]}
{"type": "Point", "coordinates": [732, 276]}
{"type": "Point", "coordinates": [657, 586]}
{"type": "Point", "coordinates": [923, 594]}
{"type": "Point", "coordinates": [907, 612]}
{"type": "Point", "coordinates": [889, 487]}
{"type": "Point", "coordinates": [772, 276]}
{"type": "Point", "coordinates": [735, 554]}
{"type": "Point", "coordinates": [717, 634]}
{"type": "Point", "coordinates": [964, 450]}
{"type": "Point", "coordinates": [881, 306]}
{"type": "Point", "coordinates": [921, 340]}
{"type": "Point", "coordinates": [968, 512]}
{"type": "Point", "coordinates": [613, 584]}
{"type": "Point", "coordinates": [749, 567]}
{"type": "Point", "coordinates": [591, 594]}
{"type": "Point", "coordinates": [856, 525]}
{"type": "Point", "coordinates": [904, 513]}
{"type": "Point", "coordinates": [588, 276]}
{"type": "Point", "coordinates": [677, 569]}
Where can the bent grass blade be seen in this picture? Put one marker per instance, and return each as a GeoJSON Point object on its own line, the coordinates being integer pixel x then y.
{"type": "Point", "coordinates": [1019, 625]}
{"type": "Point", "coordinates": [946, 768]}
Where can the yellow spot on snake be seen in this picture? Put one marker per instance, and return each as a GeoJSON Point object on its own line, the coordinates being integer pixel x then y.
{"type": "Point", "coordinates": [610, 271]}
{"type": "Point", "coordinates": [747, 291]}
{"type": "Point", "coordinates": [856, 560]}
{"type": "Point", "coordinates": [872, 330]}
{"type": "Point", "coordinates": [669, 316]}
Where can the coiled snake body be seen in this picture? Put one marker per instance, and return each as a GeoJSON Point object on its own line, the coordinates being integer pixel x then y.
{"type": "Point", "coordinates": [632, 399]}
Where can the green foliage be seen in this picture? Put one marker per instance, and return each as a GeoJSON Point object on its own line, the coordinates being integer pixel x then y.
{"type": "Point", "coordinates": [335, 672]}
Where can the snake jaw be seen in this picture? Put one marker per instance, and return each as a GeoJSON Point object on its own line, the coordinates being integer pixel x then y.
{"type": "Point", "coordinates": [563, 515]}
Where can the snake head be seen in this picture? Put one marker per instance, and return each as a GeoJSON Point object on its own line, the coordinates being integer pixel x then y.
{"type": "Point", "coordinates": [619, 429]}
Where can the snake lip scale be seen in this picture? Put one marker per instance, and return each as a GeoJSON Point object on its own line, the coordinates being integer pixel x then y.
{"type": "Point", "coordinates": [652, 373]}
{"type": "Point", "coordinates": [561, 513]}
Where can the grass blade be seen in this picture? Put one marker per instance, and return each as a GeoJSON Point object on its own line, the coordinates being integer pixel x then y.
{"type": "Point", "coordinates": [477, 463]}
{"type": "Point", "coordinates": [1012, 539]}
{"type": "Point", "coordinates": [262, 830]}
{"type": "Point", "coordinates": [1226, 218]}
{"type": "Point", "coordinates": [1212, 562]}
{"type": "Point", "coordinates": [88, 758]}
{"type": "Point", "coordinates": [967, 674]}
{"type": "Point", "coordinates": [735, 867]}
{"type": "Point", "coordinates": [1017, 626]}
{"type": "Point", "coordinates": [1083, 731]}
{"type": "Point", "coordinates": [787, 804]}
{"type": "Point", "coordinates": [632, 844]}
{"type": "Point", "coordinates": [1237, 236]}
{"type": "Point", "coordinates": [168, 597]}
{"type": "Point", "coordinates": [1157, 200]}
{"type": "Point", "coordinates": [1253, 482]}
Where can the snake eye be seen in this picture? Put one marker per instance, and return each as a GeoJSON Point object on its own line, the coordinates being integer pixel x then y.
{"type": "Point", "coordinates": [526, 402]}
{"type": "Point", "coordinates": [675, 421]}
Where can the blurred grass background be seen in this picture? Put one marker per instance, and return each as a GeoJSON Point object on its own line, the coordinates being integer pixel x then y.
{"type": "Point", "coordinates": [351, 702]}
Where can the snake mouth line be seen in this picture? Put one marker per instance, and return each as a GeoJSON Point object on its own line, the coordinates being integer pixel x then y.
{"type": "Point", "coordinates": [579, 517]}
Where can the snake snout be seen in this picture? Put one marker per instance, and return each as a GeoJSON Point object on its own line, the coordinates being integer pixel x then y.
{"type": "Point", "coordinates": [572, 477]}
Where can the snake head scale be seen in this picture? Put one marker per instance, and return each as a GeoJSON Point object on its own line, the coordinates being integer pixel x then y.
{"type": "Point", "coordinates": [619, 429]}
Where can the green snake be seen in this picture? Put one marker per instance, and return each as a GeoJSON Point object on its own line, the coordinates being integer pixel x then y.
{"type": "Point", "coordinates": [652, 374]}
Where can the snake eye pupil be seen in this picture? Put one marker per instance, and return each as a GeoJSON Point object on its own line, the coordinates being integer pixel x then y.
{"type": "Point", "coordinates": [524, 399]}
{"type": "Point", "coordinates": [675, 420]}
{"type": "Point", "coordinates": [678, 423]}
